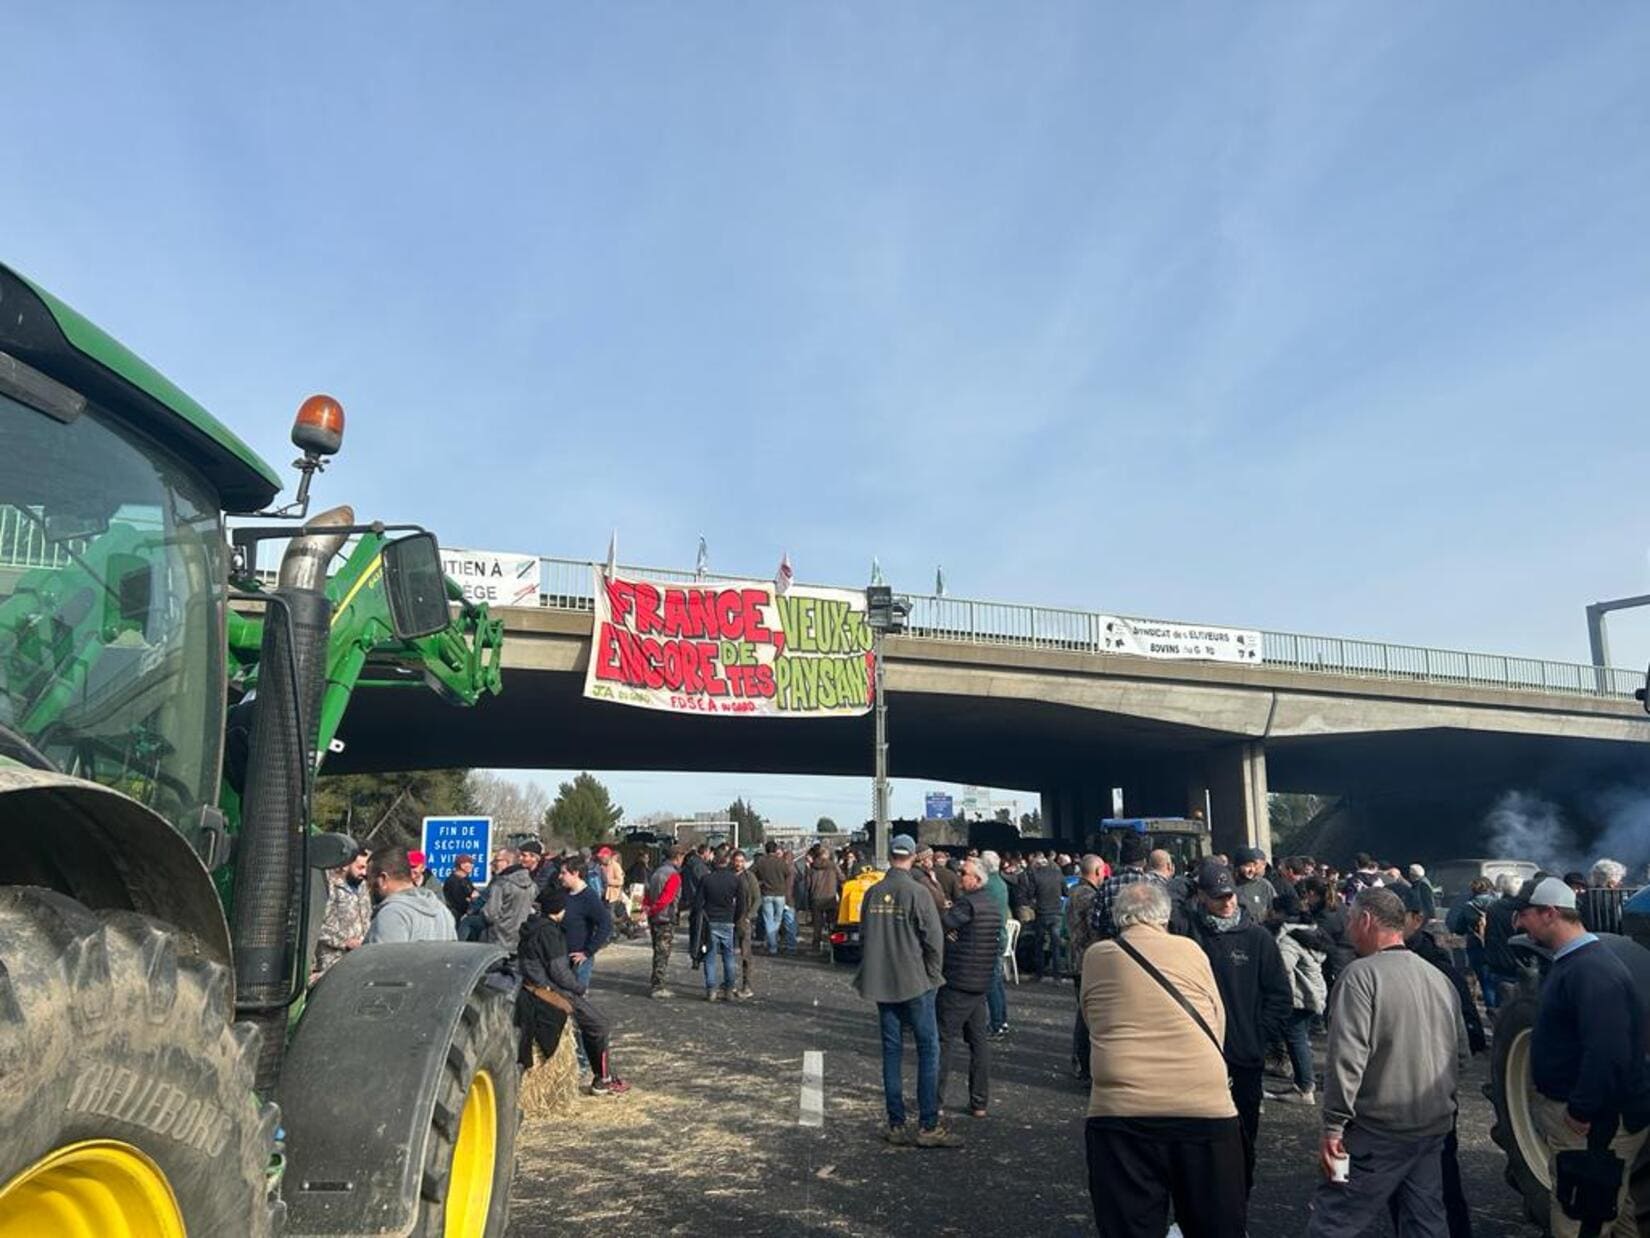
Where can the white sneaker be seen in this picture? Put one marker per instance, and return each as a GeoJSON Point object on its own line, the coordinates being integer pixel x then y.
{"type": "Point", "coordinates": [1295, 1097]}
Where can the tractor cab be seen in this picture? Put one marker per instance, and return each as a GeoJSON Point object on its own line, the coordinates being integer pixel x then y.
{"type": "Point", "coordinates": [156, 896]}
{"type": "Point", "coordinates": [1186, 839]}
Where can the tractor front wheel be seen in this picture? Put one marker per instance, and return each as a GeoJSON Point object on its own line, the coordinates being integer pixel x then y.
{"type": "Point", "coordinates": [470, 1158]}
{"type": "Point", "coordinates": [126, 1103]}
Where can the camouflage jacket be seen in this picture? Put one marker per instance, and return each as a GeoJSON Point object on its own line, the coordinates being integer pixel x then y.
{"type": "Point", "coordinates": [347, 918]}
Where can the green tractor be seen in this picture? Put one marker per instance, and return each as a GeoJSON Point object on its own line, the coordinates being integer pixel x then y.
{"type": "Point", "coordinates": [164, 710]}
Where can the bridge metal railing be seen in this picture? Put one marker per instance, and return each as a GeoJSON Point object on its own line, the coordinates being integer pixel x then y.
{"type": "Point", "coordinates": [565, 585]}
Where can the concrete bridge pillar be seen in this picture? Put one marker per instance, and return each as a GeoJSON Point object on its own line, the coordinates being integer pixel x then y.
{"type": "Point", "coordinates": [1238, 814]}
{"type": "Point", "coordinates": [1071, 811]}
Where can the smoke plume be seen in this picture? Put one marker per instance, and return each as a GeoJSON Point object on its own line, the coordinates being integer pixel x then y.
{"type": "Point", "coordinates": [1523, 826]}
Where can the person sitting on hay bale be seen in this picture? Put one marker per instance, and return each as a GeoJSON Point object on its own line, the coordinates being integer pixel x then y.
{"type": "Point", "coordinates": [551, 993]}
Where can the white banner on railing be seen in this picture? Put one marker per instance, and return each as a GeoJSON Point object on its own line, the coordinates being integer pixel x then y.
{"type": "Point", "coordinates": [1147, 638]}
{"type": "Point", "coordinates": [494, 577]}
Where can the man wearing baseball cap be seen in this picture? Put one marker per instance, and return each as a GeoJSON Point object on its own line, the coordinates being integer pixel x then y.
{"type": "Point", "coordinates": [1587, 1049]}
{"type": "Point", "coordinates": [901, 970]}
{"type": "Point", "coordinates": [1254, 989]}
{"type": "Point", "coordinates": [1254, 890]}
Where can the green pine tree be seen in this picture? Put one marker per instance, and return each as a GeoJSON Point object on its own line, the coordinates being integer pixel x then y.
{"type": "Point", "coordinates": [751, 822]}
{"type": "Point", "coordinates": [583, 813]}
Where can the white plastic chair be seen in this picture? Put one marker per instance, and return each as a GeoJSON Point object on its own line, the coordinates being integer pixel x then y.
{"type": "Point", "coordinates": [1011, 964]}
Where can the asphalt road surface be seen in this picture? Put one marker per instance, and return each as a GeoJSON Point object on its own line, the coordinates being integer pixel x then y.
{"type": "Point", "coordinates": [711, 1140]}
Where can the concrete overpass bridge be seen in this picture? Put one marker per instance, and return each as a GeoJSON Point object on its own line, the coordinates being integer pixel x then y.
{"type": "Point", "coordinates": [1418, 742]}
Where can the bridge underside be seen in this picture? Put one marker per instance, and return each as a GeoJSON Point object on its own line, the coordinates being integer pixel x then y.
{"type": "Point", "coordinates": [1422, 793]}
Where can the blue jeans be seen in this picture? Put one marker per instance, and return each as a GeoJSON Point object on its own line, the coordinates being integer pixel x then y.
{"type": "Point", "coordinates": [996, 1000]}
{"type": "Point", "coordinates": [787, 926]}
{"type": "Point", "coordinates": [721, 947]}
{"type": "Point", "coordinates": [918, 1015]}
{"type": "Point", "coordinates": [1045, 937]}
{"type": "Point", "coordinates": [1492, 990]}
{"type": "Point", "coordinates": [1297, 1037]}
{"type": "Point", "coordinates": [582, 971]}
{"type": "Point", "coordinates": [773, 912]}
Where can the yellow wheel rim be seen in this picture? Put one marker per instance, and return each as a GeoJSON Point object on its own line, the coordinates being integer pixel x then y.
{"type": "Point", "coordinates": [475, 1156]}
{"type": "Point", "coordinates": [99, 1188]}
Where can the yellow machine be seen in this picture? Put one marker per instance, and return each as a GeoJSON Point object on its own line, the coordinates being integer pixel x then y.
{"type": "Point", "coordinates": [845, 936]}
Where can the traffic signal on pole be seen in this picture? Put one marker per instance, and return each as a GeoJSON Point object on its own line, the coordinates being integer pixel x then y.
{"type": "Point", "coordinates": [883, 611]}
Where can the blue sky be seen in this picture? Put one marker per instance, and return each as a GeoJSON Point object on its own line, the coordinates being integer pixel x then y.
{"type": "Point", "coordinates": [1328, 318]}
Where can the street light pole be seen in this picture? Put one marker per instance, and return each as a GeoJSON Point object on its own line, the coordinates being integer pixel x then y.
{"type": "Point", "coordinates": [884, 613]}
{"type": "Point", "coordinates": [879, 785]}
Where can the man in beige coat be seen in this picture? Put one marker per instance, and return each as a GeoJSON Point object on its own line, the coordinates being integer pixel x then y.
{"type": "Point", "coordinates": [1155, 1135]}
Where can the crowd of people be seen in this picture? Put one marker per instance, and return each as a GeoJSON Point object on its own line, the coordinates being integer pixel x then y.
{"type": "Point", "coordinates": [1230, 968]}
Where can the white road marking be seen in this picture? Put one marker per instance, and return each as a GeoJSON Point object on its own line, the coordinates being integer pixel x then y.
{"type": "Point", "coordinates": [813, 1089]}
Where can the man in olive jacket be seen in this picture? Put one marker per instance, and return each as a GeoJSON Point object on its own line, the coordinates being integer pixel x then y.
{"type": "Point", "coordinates": [900, 970]}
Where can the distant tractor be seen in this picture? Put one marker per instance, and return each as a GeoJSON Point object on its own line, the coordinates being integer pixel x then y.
{"type": "Point", "coordinates": [164, 710]}
{"type": "Point", "coordinates": [1186, 839]}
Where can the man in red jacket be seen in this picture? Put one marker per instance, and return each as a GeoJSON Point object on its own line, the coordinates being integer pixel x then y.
{"type": "Point", "coordinates": [661, 902]}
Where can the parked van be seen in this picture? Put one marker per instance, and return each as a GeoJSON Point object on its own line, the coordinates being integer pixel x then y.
{"type": "Point", "coordinates": [1452, 877]}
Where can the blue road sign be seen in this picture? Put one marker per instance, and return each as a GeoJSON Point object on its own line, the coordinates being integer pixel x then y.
{"type": "Point", "coordinates": [447, 837]}
{"type": "Point", "coordinates": [937, 806]}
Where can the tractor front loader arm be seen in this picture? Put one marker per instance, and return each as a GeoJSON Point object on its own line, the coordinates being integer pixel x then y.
{"type": "Point", "coordinates": [461, 662]}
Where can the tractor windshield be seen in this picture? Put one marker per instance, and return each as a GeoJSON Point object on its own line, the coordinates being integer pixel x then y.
{"type": "Point", "coordinates": [111, 608]}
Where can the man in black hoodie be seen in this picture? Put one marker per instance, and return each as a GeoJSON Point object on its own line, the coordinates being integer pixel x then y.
{"type": "Point", "coordinates": [1254, 988]}
{"type": "Point", "coordinates": [458, 889]}
{"type": "Point", "coordinates": [694, 869]}
{"type": "Point", "coordinates": [1048, 896]}
{"type": "Point", "coordinates": [972, 926]}
{"type": "Point", "coordinates": [551, 992]}
{"type": "Point", "coordinates": [719, 903]}
{"type": "Point", "coordinates": [1500, 926]}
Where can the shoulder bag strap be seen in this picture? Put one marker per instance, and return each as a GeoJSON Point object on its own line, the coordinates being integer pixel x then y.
{"type": "Point", "coordinates": [1179, 997]}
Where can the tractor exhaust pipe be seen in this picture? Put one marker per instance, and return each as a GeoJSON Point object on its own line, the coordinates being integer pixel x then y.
{"type": "Point", "coordinates": [281, 756]}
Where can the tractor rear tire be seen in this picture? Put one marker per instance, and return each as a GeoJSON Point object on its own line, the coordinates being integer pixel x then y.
{"type": "Point", "coordinates": [1515, 1131]}
{"type": "Point", "coordinates": [116, 1033]}
{"type": "Point", "coordinates": [1510, 1092]}
{"type": "Point", "coordinates": [477, 1107]}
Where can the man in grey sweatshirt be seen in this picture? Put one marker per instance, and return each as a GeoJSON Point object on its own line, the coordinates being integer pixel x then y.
{"type": "Point", "coordinates": [405, 912]}
{"type": "Point", "coordinates": [1397, 1044]}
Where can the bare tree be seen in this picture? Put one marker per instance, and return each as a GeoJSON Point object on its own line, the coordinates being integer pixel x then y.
{"type": "Point", "coordinates": [515, 807]}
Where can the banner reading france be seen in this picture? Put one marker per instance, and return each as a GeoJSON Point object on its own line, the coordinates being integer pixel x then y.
{"type": "Point", "coordinates": [730, 647]}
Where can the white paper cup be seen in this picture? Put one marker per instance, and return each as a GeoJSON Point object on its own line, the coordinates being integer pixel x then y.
{"type": "Point", "coordinates": [1340, 1168]}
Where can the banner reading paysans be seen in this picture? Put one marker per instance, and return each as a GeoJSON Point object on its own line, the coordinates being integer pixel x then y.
{"type": "Point", "coordinates": [732, 647]}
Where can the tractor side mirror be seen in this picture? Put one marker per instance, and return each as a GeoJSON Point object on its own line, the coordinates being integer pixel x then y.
{"type": "Point", "coordinates": [416, 586]}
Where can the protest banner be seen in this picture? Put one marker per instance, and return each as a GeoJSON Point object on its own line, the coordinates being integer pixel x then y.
{"type": "Point", "coordinates": [493, 577]}
{"type": "Point", "coordinates": [730, 647]}
{"type": "Point", "coordinates": [1147, 638]}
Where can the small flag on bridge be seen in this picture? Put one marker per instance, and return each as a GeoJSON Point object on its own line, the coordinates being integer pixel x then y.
{"type": "Point", "coordinates": [939, 582]}
{"type": "Point", "coordinates": [876, 572]}
{"type": "Point", "coordinates": [701, 565]}
{"type": "Point", "coordinates": [782, 578]}
{"type": "Point", "coordinates": [613, 555]}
